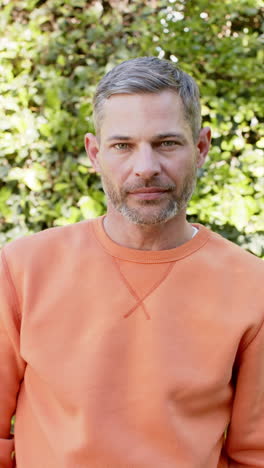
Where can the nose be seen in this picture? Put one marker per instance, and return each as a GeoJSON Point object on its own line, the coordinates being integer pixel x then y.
{"type": "Point", "coordinates": [146, 162]}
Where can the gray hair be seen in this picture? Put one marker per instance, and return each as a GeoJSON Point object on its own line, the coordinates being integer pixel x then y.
{"type": "Point", "coordinates": [149, 75]}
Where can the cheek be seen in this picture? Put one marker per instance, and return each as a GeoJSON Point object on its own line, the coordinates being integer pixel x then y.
{"type": "Point", "coordinates": [110, 171]}
{"type": "Point", "coordinates": [117, 170]}
{"type": "Point", "coordinates": [176, 168]}
{"type": "Point", "coordinates": [180, 169]}
{"type": "Point", "coordinates": [106, 165]}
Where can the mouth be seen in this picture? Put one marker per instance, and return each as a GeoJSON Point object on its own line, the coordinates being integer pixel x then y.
{"type": "Point", "coordinates": [148, 193]}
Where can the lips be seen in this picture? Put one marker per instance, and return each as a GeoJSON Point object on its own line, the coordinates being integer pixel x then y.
{"type": "Point", "coordinates": [148, 193]}
{"type": "Point", "coordinates": [149, 190]}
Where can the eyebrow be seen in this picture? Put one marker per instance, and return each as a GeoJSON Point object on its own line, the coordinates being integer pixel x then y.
{"type": "Point", "coordinates": [119, 137]}
{"type": "Point", "coordinates": [160, 136]}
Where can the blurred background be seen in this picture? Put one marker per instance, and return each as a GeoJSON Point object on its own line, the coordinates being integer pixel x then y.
{"type": "Point", "coordinates": [52, 55]}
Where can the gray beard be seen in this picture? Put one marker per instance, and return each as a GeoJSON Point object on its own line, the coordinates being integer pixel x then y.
{"type": "Point", "coordinates": [175, 204]}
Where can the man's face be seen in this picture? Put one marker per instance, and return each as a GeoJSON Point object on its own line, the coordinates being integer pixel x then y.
{"type": "Point", "coordinates": [146, 156]}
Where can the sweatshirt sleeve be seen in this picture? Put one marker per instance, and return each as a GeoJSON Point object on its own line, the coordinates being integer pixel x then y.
{"type": "Point", "coordinates": [11, 364]}
{"type": "Point", "coordinates": [245, 441]}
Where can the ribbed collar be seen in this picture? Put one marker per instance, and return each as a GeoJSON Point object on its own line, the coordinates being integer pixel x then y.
{"type": "Point", "coordinates": [149, 256]}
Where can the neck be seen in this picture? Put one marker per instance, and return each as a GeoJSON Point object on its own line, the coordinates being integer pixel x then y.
{"type": "Point", "coordinates": [169, 235]}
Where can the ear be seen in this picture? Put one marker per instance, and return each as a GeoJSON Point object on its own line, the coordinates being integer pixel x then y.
{"type": "Point", "coordinates": [203, 145]}
{"type": "Point", "coordinates": [92, 150]}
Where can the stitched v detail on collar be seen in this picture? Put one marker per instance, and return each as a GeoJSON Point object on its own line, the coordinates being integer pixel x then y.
{"type": "Point", "coordinates": [133, 292]}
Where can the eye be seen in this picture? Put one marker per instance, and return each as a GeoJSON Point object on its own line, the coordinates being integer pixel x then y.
{"type": "Point", "coordinates": [168, 143]}
{"type": "Point", "coordinates": [121, 146]}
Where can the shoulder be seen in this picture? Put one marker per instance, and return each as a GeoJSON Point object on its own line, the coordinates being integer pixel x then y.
{"type": "Point", "coordinates": [231, 252]}
{"type": "Point", "coordinates": [221, 255]}
{"type": "Point", "coordinates": [235, 276]}
{"type": "Point", "coordinates": [50, 245]}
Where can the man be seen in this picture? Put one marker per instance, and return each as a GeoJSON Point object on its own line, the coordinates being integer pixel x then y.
{"type": "Point", "coordinates": [136, 339]}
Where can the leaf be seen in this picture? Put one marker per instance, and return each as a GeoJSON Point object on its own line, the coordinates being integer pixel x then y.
{"type": "Point", "coordinates": [73, 216]}
{"type": "Point", "coordinates": [89, 208]}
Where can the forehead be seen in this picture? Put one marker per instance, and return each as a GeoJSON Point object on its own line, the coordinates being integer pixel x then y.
{"type": "Point", "coordinates": [143, 114]}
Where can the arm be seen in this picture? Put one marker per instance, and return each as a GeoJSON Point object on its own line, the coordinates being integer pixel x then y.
{"type": "Point", "coordinates": [11, 364]}
{"type": "Point", "coordinates": [245, 440]}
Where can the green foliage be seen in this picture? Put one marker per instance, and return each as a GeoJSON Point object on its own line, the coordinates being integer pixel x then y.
{"type": "Point", "coordinates": [52, 54]}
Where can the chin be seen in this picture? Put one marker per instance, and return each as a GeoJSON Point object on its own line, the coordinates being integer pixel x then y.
{"type": "Point", "coordinates": [138, 217]}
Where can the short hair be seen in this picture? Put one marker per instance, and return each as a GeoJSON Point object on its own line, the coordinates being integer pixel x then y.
{"type": "Point", "coordinates": [149, 75]}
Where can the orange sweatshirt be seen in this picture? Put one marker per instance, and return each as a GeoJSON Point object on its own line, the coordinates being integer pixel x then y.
{"type": "Point", "coordinates": [120, 358]}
